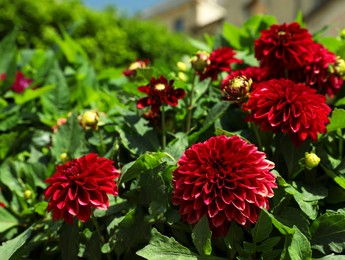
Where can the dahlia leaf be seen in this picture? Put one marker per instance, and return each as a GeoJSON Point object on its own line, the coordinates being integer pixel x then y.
{"type": "Point", "coordinates": [262, 229]}
{"type": "Point", "coordinates": [69, 243]}
{"type": "Point", "coordinates": [7, 220]}
{"type": "Point", "coordinates": [337, 120]}
{"type": "Point", "coordinates": [216, 112]}
{"type": "Point", "coordinates": [202, 237]}
{"type": "Point", "coordinates": [283, 229]}
{"type": "Point", "coordinates": [328, 232]}
{"type": "Point", "coordinates": [10, 247]}
{"type": "Point", "coordinates": [233, 35]}
{"type": "Point", "coordinates": [163, 247]}
{"type": "Point", "coordinates": [234, 239]}
{"type": "Point", "coordinates": [31, 94]}
{"type": "Point", "coordinates": [144, 163]}
{"type": "Point", "coordinates": [300, 246]}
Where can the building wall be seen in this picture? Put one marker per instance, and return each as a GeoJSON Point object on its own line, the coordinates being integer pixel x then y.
{"type": "Point", "coordinates": [207, 16]}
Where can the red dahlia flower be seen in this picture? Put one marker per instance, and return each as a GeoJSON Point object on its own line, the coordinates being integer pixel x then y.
{"type": "Point", "coordinates": [160, 92]}
{"type": "Point", "coordinates": [316, 74]}
{"type": "Point", "coordinates": [219, 60]}
{"type": "Point", "coordinates": [288, 107]}
{"type": "Point", "coordinates": [20, 83]}
{"type": "Point", "coordinates": [285, 46]}
{"type": "Point", "coordinates": [79, 185]}
{"type": "Point", "coordinates": [224, 178]}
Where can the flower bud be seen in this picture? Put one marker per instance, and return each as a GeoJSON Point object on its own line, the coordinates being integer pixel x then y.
{"type": "Point", "coordinates": [182, 76]}
{"type": "Point", "coordinates": [64, 157]}
{"type": "Point", "coordinates": [237, 88]}
{"type": "Point", "coordinates": [339, 66]}
{"type": "Point", "coordinates": [27, 194]}
{"type": "Point", "coordinates": [181, 66]}
{"type": "Point", "coordinates": [311, 160]}
{"type": "Point", "coordinates": [89, 119]}
{"type": "Point", "coordinates": [200, 61]}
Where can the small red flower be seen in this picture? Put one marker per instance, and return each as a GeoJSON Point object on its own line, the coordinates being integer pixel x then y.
{"type": "Point", "coordinates": [316, 74]}
{"type": "Point", "coordinates": [2, 205]}
{"type": "Point", "coordinates": [79, 185]}
{"type": "Point", "coordinates": [285, 46]}
{"type": "Point", "coordinates": [288, 107]}
{"type": "Point", "coordinates": [20, 83]}
{"type": "Point", "coordinates": [160, 91]}
{"type": "Point", "coordinates": [131, 71]}
{"type": "Point", "coordinates": [224, 178]}
{"type": "Point", "coordinates": [220, 60]}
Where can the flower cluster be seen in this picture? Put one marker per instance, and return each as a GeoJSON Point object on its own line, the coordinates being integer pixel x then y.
{"type": "Point", "coordinates": [79, 185]}
{"type": "Point", "coordinates": [224, 178]}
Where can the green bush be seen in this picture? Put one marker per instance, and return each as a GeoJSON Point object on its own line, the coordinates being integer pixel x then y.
{"type": "Point", "coordinates": [109, 38]}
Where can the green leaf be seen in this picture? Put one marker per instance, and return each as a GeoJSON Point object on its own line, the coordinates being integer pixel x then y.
{"type": "Point", "coordinates": [10, 247]}
{"type": "Point", "coordinates": [31, 94]}
{"type": "Point", "coordinates": [328, 233]}
{"type": "Point", "coordinates": [268, 244]}
{"type": "Point", "coordinates": [339, 179]}
{"type": "Point", "coordinates": [234, 239]}
{"type": "Point", "coordinates": [283, 229]}
{"type": "Point", "coordinates": [201, 236]}
{"type": "Point", "coordinates": [299, 18]}
{"type": "Point", "coordinates": [233, 35]}
{"type": "Point", "coordinates": [300, 246]}
{"type": "Point", "coordinates": [163, 247]}
{"type": "Point", "coordinates": [144, 163]}
{"type": "Point", "coordinates": [6, 141]}
{"type": "Point", "coordinates": [262, 229]}
{"type": "Point", "coordinates": [7, 220]}
{"type": "Point", "coordinates": [217, 111]}
{"type": "Point", "coordinates": [69, 139]}
{"type": "Point", "coordinates": [337, 120]}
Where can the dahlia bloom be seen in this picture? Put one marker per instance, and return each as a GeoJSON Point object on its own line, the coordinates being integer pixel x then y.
{"type": "Point", "coordinates": [79, 185]}
{"type": "Point", "coordinates": [316, 73]}
{"type": "Point", "coordinates": [160, 91]}
{"type": "Point", "coordinates": [220, 60]}
{"type": "Point", "coordinates": [288, 107]}
{"type": "Point", "coordinates": [285, 46]}
{"type": "Point", "coordinates": [224, 178]}
{"type": "Point", "coordinates": [20, 83]}
{"type": "Point", "coordinates": [131, 71]}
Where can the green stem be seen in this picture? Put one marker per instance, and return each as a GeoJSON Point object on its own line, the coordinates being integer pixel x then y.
{"type": "Point", "coordinates": [98, 230]}
{"type": "Point", "coordinates": [101, 146]}
{"type": "Point", "coordinates": [164, 139]}
{"type": "Point", "coordinates": [257, 136]}
{"type": "Point", "coordinates": [190, 105]}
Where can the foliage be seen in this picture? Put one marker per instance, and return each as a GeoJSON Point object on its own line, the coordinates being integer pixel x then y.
{"type": "Point", "coordinates": [109, 38]}
{"type": "Point", "coordinates": [306, 218]}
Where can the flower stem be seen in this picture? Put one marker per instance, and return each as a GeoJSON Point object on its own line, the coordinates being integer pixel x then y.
{"type": "Point", "coordinates": [164, 139]}
{"type": "Point", "coordinates": [257, 136]}
{"type": "Point", "coordinates": [190, 105]}
{"type": "Point", "coordinates": [98, 230]}
{"type": "Point", "coordinates": [101, 146]}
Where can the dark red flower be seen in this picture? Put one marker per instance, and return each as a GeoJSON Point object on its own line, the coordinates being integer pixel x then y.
{"type": "Point", "coordinates": [224, 178]}
{"type": "Point", "coordinates": [288, 107]}
{"type": "Point", "coordinates": [256, 74]}
{"type": "Point", "coordinates": [20, 83]}
{"type": "Point", "coordinates": [2, 205]}
{"type": "Point", "coordinates": [220, 60]}
{"type": "Point", "coordinates": [160, 91]}
{"type": "Point", "coordinates": [79, 185]}
{"type": "Point", "coordinates": [285, 46]}
{"type": "Point", "coordinates": [131, 71]}
{"type": "Point", "coordinates": [316, 74]}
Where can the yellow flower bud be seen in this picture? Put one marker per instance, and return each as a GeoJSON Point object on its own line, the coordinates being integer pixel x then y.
{"type": "Point", "coordinates": [311, 160]}
{"type": "Point", "coordinates": [27, 194]}
{"type": "Point", "coordinates": [181, 66]}
{"type": "Point", "coordinates": [64, 157]}
{"type": "Point", "coordinates": [89, 119]}
{"type": "Point", "coordinates": [182, 76]}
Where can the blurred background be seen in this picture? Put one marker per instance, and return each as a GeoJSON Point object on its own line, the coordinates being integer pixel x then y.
{"type": "Point", "coordinates": [199, 16]}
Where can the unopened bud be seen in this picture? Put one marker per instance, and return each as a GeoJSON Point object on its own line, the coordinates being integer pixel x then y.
{"type": "Point", "coordinates": [27, 194]}
{"type": "Point", "coordinates": [64, 157]}
{"type": "Point", "coordinates": [339, 66]}
{"type": "Point", "coordinates": [181, 66]}
{"type": "Point", "coordinates": [182, 76]}
{"type": "Point", "coordinates": [311, 160]}
{"type": "Point", "coordinates": [200, 61]}
{"type": "Point", "coordinates": [237, 88]}
{"type": "Point", "coordinates": [89, 119]}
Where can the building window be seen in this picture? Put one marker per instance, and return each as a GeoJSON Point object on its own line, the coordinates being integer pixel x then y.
{"type": "Point", "coordinates": [179, 25]}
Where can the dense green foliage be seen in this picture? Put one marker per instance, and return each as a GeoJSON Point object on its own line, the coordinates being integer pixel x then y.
{"type": "Point", "coordinates": [109, 38]}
